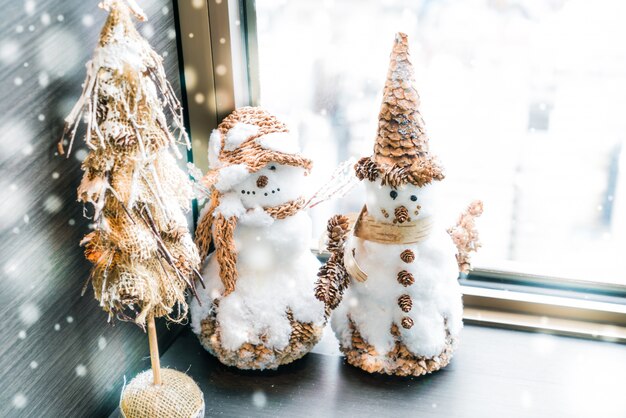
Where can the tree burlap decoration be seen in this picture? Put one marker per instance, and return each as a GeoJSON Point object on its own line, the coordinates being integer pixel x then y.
{"type": "Point", "coordinates": [142, 253]}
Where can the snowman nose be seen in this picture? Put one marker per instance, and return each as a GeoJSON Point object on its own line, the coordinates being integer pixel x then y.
{"type": "Point", "coordinates": [261, 182]}
{"type": "Point", "coordinates": [401, 215]}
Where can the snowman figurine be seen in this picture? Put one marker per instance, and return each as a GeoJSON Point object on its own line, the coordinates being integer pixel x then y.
{"type": "Point", "coordinates": [258, 310]}
{"type": "Point", "coordinates": [392, 274]}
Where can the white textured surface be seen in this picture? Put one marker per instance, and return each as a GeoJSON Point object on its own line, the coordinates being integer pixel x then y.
{"type": "Point", "coordinates": [276, 269]}
{"type": "Point", "coordinates": [280, 141]}
{"type": "Point", "coordinates": [238, 134]}
{"type": "Point", "coordinates": [373, 304]}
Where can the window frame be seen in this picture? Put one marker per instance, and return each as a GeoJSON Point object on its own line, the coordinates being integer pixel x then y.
{"type": "Point", "coordinates": [225, 36]}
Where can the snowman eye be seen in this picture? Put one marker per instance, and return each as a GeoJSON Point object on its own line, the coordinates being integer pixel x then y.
{"type": "Point", "coordinates": [413, 198]}
{"type": "Point", "coordinates": [273, 167]}
{"type": "Point", "coordinates": [393, 194]}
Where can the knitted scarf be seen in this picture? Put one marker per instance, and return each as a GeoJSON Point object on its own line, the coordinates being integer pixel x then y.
{"type": "Point", "coordinates": [221, 230]}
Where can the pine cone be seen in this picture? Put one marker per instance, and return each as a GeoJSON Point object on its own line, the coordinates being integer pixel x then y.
{"type": "Point", "coordinates": [338, 227]}
{"type": "Point", "coordinates": [366, 168]}
{"type": "Point", "coordinates": [405, 278]}
{"type": "Point", "coordinates": [407, 256]}
{"type": "Point", "coordinates": [332, 281]}
{"type": "Point", "coordinates": [395, 177]}
{"type": "Point", "coordinates": [424, 172]}
{"type": "Point", "coordinates": [302, 332]}
{"type": "Point", "coordinates": [401, 214]}
{"type": "Point", "coordinates": [407, 322]}
{"type": "Point", "coordinates": [101, 112]}
{"type": "Point", "coordinates": [405, 303]}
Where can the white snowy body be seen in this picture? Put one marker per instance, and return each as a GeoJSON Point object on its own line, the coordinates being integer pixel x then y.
{"type": "Point", "coordinates": [276, 271]}
{"type": "Point", "coordinates": [372, 305]}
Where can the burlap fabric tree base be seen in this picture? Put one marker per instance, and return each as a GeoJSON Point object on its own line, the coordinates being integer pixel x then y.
{"type": "Point", "coordinates": [399, 361]}
{"type": "Point", "coordinates": [249, 356]}
{"type": "Point", "coordinates": [177, 397]}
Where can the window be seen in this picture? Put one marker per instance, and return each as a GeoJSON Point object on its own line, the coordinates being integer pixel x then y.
{"type": "Point", "coordinates": [522, 103]}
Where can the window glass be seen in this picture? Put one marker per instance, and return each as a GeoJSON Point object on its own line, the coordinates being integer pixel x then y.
{"type": "Point", "coordinates": [523, 102]}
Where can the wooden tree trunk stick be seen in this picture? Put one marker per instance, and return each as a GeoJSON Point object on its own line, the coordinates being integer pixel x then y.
{"type": "Point", "coordinates": [154, 350]}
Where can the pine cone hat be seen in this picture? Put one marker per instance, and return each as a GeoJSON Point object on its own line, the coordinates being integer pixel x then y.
{"type": "Point", "coordinates": [401, 152]}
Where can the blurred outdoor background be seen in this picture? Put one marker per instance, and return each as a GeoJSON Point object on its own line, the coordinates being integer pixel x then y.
{"type": "Point", "coordinates": [524, 103]}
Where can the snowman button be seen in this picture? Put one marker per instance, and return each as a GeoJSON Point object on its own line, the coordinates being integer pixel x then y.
{"type": "Point", "coordinates": [405, 278]}
{"type": "Point", "coordinates": [405, 303]}
{"type": "Point", "coordinates": [407, 256]}
{"type": "Point", "coordinates": [407, 322]}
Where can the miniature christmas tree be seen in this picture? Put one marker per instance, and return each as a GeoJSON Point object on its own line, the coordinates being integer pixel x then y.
{"type": "Point", "coordinates": [392, 276]}
{"type": "Point", "coordinates": [258, 310]}
{"type": "Point", "coordinates": [143, 256]}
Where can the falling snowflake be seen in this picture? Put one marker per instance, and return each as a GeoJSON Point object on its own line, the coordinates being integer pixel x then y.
{"type": "Point", "coordinates": [19, 401]}
{"type": "Point", "coordinates": [259, 399]}
{"type": "Point", "coordinates": [13, 202]}
{"type": "Point", "coordinates": [69, 319]}
{"type": "Point", "coordinates": [59, 51]}
{"type": "Point", "coordinates": [81, 370]}
{"type": "Point", "coordinates": [29, 7]}
{"type": "Point", "coordinates": [9, 51]}
{"type": "Point", "coordinates": [34, 365]}
{"type": "Point", "coordinates": [43, 79]}
{"type": "Point", "coordinates": [52, 204]}
{"type": "Point", "coordinates": [102, 343]}
{"type": "Point", "coordinates": [81, 154]}
{"type": "Point", "coordinates": [221, 69]}
{"type": "Point", "coordinates": [29, 313]}
{"type": "Point", "coordinates": [147, 31]}
{"type": "Point", "coordinates": [21, 335]}
{"type": "Point", "coordinates": [57, 327]}
{"type": "Point", "coordinates": [87, 20]}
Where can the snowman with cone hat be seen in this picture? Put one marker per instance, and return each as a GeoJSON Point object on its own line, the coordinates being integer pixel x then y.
{"type": "Point", "coordinates": [392, 274]}
{"type": "Point", "coordinates": [259, 308]}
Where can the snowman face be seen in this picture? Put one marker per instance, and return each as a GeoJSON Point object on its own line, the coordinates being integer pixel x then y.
{"type": "Point", "coordinates": [403, 204]}
{"type": "Point", "coordinates": [273, 185]}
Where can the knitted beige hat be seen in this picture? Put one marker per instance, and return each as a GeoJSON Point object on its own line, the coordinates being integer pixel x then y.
{"type": "Point", "coordinates": [401, 153]}
{"type": "Point", "coordinates": [245, 142]}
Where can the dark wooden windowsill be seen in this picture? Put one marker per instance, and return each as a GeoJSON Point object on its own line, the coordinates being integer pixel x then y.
{"type": "Point", "coordinates": [495, 372]}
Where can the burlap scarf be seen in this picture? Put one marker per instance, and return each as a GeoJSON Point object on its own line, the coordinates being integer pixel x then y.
{"type": "Point", "coordinates": [222, 230]}
{"type": "Point", "coordinates": [369, 229]}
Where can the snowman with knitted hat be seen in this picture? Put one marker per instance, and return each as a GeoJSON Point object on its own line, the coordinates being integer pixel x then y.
{"type": "Point", "coordinates": [392, 274]}
{"type": "Point", "coordinates": [259, 309]}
